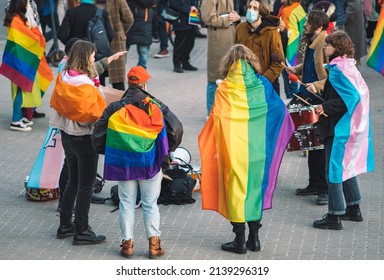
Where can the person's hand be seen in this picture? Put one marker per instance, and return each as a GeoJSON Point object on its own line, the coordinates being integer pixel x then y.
{"type": "Point", "coordinates": [319, 109]}
{"type": "Point", "coordinates": [290, 70]}
{"type": "Point", "coordinates": [282, 25]}
{"type": "Point", "coordinates": [116, 56]}
{"type": "Point", "coordinates": [234, 16]}
{"type": "Point", "coordinates": [311, 88]}
{"type": "Point", "coordinates": [194, 9]}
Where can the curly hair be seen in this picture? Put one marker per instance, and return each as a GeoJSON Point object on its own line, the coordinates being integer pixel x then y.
{"type": "Point", "coordinates": [342, 43]}
{"type": "Point", "coordinates": [236, 53]}
{"type": "Point", "coordinates": [78, 58]}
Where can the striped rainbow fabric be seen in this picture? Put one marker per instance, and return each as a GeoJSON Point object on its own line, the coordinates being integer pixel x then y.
{"type": "Point", "coordinates": [294, 17]}
{"type": "Point", "coordinates": [45, 172]}
{"type": "Point", "coordinates": [376, 52]}
{"type": "Point", "coordinates": [242, 145]}
{"type": "Point", "coordinates": [352, 150]}
{"type": "Point", "coordinates": [136, 144]}
{"type": "Point", "coordinates": [23, 59]}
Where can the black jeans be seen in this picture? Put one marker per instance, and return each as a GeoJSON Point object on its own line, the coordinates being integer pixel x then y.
{"type": "Point", "coordinates": [184, 43]}
{"type": "Point", "coordinates": [316, 166]}
{"type": "Point", "coordinates": [82, 162]}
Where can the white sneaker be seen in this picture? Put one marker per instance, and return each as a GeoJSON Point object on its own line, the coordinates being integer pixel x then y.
{"type": "Point", "coordinates": [26, 122]}
{"type": "Point", "coordinates": [20, 126]}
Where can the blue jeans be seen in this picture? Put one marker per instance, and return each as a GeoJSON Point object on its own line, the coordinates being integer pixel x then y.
{"type": "Point", "coordinates": [150, 191]}
{"type": "Point", "coordinates": [343, 194]}
{"type": "Point", "coordinates": [289, 87]}
{"type": "Point", "coordinates": [143, 52]}
{"type": "Point", "coordinates": [17, 114]}
{"type": "Point", "coordinates": [82, 162]}
{"type": "Point", "coordinates": [211, 89]}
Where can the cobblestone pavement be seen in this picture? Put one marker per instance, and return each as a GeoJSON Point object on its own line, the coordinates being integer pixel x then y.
{"type": "Point", "coordinates": [27, 229]}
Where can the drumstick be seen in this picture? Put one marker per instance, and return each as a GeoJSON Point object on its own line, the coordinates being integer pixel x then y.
{"type": "Point", "coordinates": [293, 78]}
{"type": "Point", "coordinates": [306, 102]}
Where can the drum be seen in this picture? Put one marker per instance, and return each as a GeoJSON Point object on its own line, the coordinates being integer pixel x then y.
{"type": "Point", "coordinates": [308, 138]}
{"type": "Point", "coordinates": [302, 115]}
{"type": "Point", "coordinates": [294, 143]}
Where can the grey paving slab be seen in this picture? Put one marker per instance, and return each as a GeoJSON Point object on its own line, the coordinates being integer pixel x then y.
{"type": "Point", "coordinates": [27, 229]}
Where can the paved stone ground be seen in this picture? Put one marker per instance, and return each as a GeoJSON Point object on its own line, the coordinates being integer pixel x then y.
{"type": "Point", "coordinates": [27, 229]}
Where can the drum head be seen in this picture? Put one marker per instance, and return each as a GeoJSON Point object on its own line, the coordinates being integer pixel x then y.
{"type": "Point", "coordinates": [181, 155]}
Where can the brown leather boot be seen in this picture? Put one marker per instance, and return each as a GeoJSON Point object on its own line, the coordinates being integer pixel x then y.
{"type": "Point", "coordinates": [127, 248]}
{"type": "Point", "coordinates": [155, 249]}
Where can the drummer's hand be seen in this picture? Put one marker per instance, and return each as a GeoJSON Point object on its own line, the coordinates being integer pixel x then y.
{"type": "Point", "coordinates": [311, 88]}
{"type": "Point", "coordinates": [290, 70]}
{"type": "Point", "coordinates": [319, 109]}
{"type": "Point", "coordinates": [116, 56]}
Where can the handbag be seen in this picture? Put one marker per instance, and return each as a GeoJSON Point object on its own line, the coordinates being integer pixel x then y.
{"type": "Point", "coordinates": [169, 14]}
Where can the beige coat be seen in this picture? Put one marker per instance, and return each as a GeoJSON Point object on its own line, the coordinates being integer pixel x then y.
{"type": "Point", "coordinates": [121, 19]}
{"type": "Point", "coordinates": [221, 34]}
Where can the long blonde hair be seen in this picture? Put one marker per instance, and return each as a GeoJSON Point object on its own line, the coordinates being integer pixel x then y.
{"type": "Point", "coordinates": [78, 58]}
{"type": "Point", "coordinates": [233, 56]}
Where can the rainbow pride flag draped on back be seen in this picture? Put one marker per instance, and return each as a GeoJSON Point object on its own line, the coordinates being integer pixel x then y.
{"type": "Point", "coordinates": [242, 145]}
{"type": "Point", "coordinates": [376, 52]}
{"type": "Point", "coordinates": [24, 62]}
{"type": "Point", "coordinates": [49, 162]}
{"type": "Point", "coordinates": [352, 150]}
{"type": "Point", "coordinates": [294, 17]}
{"type": "Point", "coordinates": [136, 143]}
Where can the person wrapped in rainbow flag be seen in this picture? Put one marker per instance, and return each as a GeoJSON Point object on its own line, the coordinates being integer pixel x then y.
{"type": "Point", "coordinates": [241, 147]}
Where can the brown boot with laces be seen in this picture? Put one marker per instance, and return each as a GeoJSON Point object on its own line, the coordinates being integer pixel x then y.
{"type": "Point", "coordinates": [155, 249]}
{"type": "Point", "coordinates": [127, 248]}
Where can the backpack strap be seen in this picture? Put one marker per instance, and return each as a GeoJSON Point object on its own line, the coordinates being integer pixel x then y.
{"type": "Point", "coordinates": [99, 13]}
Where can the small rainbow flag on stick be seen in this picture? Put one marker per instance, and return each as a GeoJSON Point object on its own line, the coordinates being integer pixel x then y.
{"type": "Point", "coordinates": [242, 145]}
{"type": "Point", "coordinates": [194, 18]}
{"type": "Point", "coordinates": [376, 52]}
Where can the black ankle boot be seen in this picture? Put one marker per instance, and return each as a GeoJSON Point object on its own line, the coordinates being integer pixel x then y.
{"type": "Point", "coordinates": [87, 237]}
{"type": "Point", "coordinates": [329, 221]}
{"type": "Point", "coordinates": [65, 231]}
{"type": "Point", "coordinates": [352, 213]}
{"type": "Point", "coordinates": [238, 244]}
{"type": "Point", "coordinates": [253, 242]}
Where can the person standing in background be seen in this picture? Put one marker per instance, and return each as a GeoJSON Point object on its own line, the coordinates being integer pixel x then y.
{"type": "Point", "coordinates": [162, 30]}
{"type": "Point", "coordinates": [121, 19]}
{"type": "Point", "coordinates": [260, 34]}
{"type": "Point", "coordinates": [140, 34]}
{"type": "Point", "coordinates": [220, 17]}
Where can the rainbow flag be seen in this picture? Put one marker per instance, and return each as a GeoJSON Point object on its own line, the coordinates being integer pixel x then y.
{"type": "Point", "coordinates": [352, 149]}
{"type": "Point", "coordinates": [376, 52]}
{"type": "Point", "coordinates": [45, 172]}
{"type": "Point", "coordinates": [23, 58]}
{"type": "Point", "coordinates": [294, 17]}
{"type": "Point", "coordinates": [136, 143]}
{"type": "Point", "coordinates": [242, 145]}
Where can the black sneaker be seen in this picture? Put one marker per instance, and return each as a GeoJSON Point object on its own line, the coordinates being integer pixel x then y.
{"type": "Point", "coordinates": [88, 237]}
{"type": "Point", "coordinates": [19, 126]}
{"type": "Point", "coordinates": [189, 67]}
{"type": "Point", "coordinates": [178, 69]}
{"type": "Point", "coordinates": [329, 222]}
{"type": "Point", "coordinates": [322, 199]}
{"type": "Point", "coordinates": [38, 115]}
{"type": "Point", "coordinates": [309, 190]}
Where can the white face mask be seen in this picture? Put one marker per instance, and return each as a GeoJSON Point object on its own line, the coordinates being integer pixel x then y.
{"type": "Point", "coordinates": [252, 15]}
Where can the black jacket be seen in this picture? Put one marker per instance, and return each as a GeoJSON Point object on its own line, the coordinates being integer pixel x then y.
{"type": "Point", "coordinates": [75, 23]}
{"type": "Point", "coordinates": [141, 30]}
{"type": "Point", "coordinates": [184, 8]}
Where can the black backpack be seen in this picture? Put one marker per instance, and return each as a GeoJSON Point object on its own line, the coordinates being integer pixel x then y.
{"type": "Point", "coordinates": [97, 34]}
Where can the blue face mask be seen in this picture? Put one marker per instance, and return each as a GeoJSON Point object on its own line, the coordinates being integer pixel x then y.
{"type": "Point", "coordinates": [252, 16]}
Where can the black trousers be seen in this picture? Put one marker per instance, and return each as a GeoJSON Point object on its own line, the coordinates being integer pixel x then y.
{"type": "Point", "coordinates": [316, 166]}
{"type": "Point", "coordinates": [184, 43]}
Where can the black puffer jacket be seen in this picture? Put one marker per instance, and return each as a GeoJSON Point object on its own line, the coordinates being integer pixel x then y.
{"type": "Point", "coordinates": [141, 30]}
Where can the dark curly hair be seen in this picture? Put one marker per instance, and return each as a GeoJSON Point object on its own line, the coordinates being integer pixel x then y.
{"type": "Point", "coordinates": [342, 43]}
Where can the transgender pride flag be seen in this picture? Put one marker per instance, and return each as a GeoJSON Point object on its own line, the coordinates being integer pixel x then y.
{"type": "Point", "coordinates": [352, 149]}
{"type": "Point", "coordinates": [49, 162]}
{"type": "Point", "coordinates": [242, 145]}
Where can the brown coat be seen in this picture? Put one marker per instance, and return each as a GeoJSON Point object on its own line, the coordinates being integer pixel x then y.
{"type": "Point", "coordinates": [221, 34]}
{"type": "Point", "coordinates": [319, 58]}
{"type": "Point", "coordinates": [121, 19]}
{"type": "Point", "coordinates": [266, 44]}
